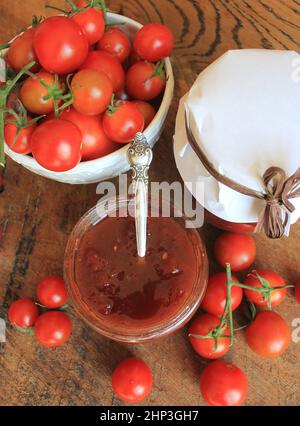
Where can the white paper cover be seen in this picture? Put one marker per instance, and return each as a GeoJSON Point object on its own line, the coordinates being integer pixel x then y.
{"type": "Point", "coordinates": [245, 114]}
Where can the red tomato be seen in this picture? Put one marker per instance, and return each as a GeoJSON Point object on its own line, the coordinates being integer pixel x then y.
{"type": "Point", "coordinates": [51, 292]}
{"type": "Point", "coordinates": [23, 313]}
{"type": "Point", "coordinates": [274, 280]}
{"type": "Point", "coordinates": [104, 62]}
{"type": "Point", "coordinates": [92, 92]}
{"type": "Point", "coordinates": [237, 249]}
{"type": "Point", "coordinates": [132, 380]}
{"type": "Point", "coordinates": [60, 45]}
{"type": "Point", "coordinates": [22, 144]}
{"type": "Point", "coordinates": [142, 84]}
{"type": "Point", "coordinates": [214, 300]}
{"type": "Point", "coordinates": [147, 110]}
{"type": "Point", "coordinates": [33, 93]}
{"type": "Point", "coordinates": [154, 42]}
{"type": "Point", "coordinates": [122, 124]}
{"type": "Point", "coordinates": [116, 43]}
{"type": "Point", "coordinates": [223, 384]}
{"type": "Point", "coordinates": [91, 22]}
{"type": "Point", "coordinates": [134, 58]}
{"type": "Point", "coordinates": [21, 52]}
{"type": "Point", "coordinates": [56, 145]}
{"type": "Point", "coordinates": [297, 292]}
{"type": "Point", "coordinates": [53, 329]}
{"type": "Point", "coordinates": [202, 325]}
{"type": "Point", "coordinates": [121, 95]}
{"type": "Point", "coordinates": [95, 143]}
{"type": "Point", "coordinates": [268, 335]}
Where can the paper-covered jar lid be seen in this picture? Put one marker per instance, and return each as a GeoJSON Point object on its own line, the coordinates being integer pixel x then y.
{"type": "Point", "coordinates": [243, 112]}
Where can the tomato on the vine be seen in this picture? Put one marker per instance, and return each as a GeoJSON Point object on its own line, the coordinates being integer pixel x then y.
{"type": "Point", "coordinates": [147, 110]}
{"type": "Point", "coordinates": [154, 42]}
{"type": "Point", "coordinates": [92, 91]}
{"type": "Point", "coordinates": [214, 300]}
{"type": "Point", "coordinates": [51, 292]}
{"type": "Point", "coordinates": [268, 335]}
{"type": "Point", "coordinates": [56, 145]}
{"type": "Point", "coordinates": [53, 328]}
{"type": "Point", "coordinates": [21, 51]}
{"type": "Point", "coordinates": [237, 249]}
{"type": "Point", "coordinates": [223, 384]}
{"type": "Point", "coordinates": [106, 63]}
{"type": "Point", "coordinates": [132, 380]}
{"type": "Point", "coordinates": [91, 22]}
{"type": "Point", "coordinates": [33, 93]}
{"type": "Point", "coordinates": [297, 292]}
{"type": "Point", "coordinates": [273, 279]}
{"type": "Point", "coordinates": [21, 143]}
{"type": "Point", "coordinates": [145, 81]}
{"type": "Point", "coordinates": [60, 45]}
{"type": "Point", "coordinates": [207, 348]}
{"type": "Point", "coordinates": [116, 43]}
{"type": "Point", "coordinates": [95, 143]}
{"type": "Point", "coordinates": [122, 121]}
{"type": "Point", "coordinates": [23, 313]}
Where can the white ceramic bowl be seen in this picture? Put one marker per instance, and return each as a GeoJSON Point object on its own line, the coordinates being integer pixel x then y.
{"type": "Point", "coordinates": [116, 163]}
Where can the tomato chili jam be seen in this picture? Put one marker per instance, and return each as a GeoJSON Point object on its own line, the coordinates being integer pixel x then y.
{"type": "Point", "coordinates": [126, 297]}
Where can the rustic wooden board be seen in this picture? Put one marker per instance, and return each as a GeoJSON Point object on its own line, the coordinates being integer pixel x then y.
{"type": "Point", "coordinates": [37, 216]}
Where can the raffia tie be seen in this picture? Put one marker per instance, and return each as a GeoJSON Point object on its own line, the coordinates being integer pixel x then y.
{"type": "Point", "coordinates": [278, 191]}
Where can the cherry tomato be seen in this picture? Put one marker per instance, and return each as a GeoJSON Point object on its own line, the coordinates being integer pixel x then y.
{"type": "Point", "coordinates": [274, 280]}
{"type": "Point", "coordinates": [92, 92]}
{"type": "Point", "coordinates": [132, 380]}
{"type": "Point", "coordinates": [223, 384]}
{"type": "Point", "coordinates": [237, 249]}
{"type": "Point", "coordinates": [122, 124]}
{"type": "Point", "coordinates": [53, 328]}
{"type": "Point", "coordinates": [23, 313]}
{"type": "Point", "coordinates": [214, 300]}
{"type": "Point", "coordinates": [147, 110]}
{"type": "Point", "coordinates": [268, 335]}
{"type": "Point", "coordinates": [142, 83]}
{"type": "Point", "coordinates": [134, 58]}
{"type": "Point", "coordinates": [154, 42]}
{"type": "Point", "coordinates": [121, 95]}
{"type": "Point", "coordinates": [51, 292]}
{"type": "Point", "coordinates": [56, 145]}
{"type": "Point", "coordinates": [104, 62]}
{"type": "Point", "coordinates": [202, 325]}
{"type": "Point", "coordinates": [21, 52]}
{"type": "Point", "coordinates": [22, 143]}
{"type": "Point", "coordinates": [60, 45]}
{"type": "Point", "coordinates": [297, 292]}
{"type": "Point", "coordinates": [116, 43]}
{"type": "Point", "coordinates": [95, 143]}
{"type": "Point", "coordinates": [33, 93]}
{"type": "Point", "coordinates": [91, 22]}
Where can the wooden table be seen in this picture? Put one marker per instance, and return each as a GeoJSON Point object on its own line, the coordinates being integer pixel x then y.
{"type": "Point", "coordinates": [37, 215]}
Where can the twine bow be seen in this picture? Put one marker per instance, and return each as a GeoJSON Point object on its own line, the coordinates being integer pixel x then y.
{"type": "Point", "coordinates": [278, 191]}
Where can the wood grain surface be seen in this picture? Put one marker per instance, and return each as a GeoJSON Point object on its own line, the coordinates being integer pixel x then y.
{"type": "Point", "coordinates": [37, 216]}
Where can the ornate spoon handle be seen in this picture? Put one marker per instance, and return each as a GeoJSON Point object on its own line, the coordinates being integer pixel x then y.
{"type": "Point", "coordinates": [140, 157]}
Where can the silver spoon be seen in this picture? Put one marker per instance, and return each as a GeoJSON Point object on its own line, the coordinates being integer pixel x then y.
{"type": "Point", "coordinates": [140, 156]}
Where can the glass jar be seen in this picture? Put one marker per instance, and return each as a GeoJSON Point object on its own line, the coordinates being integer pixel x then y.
{"type": "Point", "coordinates": [224, 225]}
{"type": "Point", "coordinates": [133, 331]}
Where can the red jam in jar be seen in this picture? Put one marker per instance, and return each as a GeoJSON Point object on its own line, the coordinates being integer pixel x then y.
{"type": "Point", "coordinates": [129, 298]}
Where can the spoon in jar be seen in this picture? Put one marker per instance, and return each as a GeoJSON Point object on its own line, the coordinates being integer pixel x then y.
{"type": "Point", "coordinates": [140, 156]}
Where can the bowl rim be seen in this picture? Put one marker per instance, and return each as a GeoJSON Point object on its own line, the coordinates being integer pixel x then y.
{"type": "Point", "coordinates": [30, 162]}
